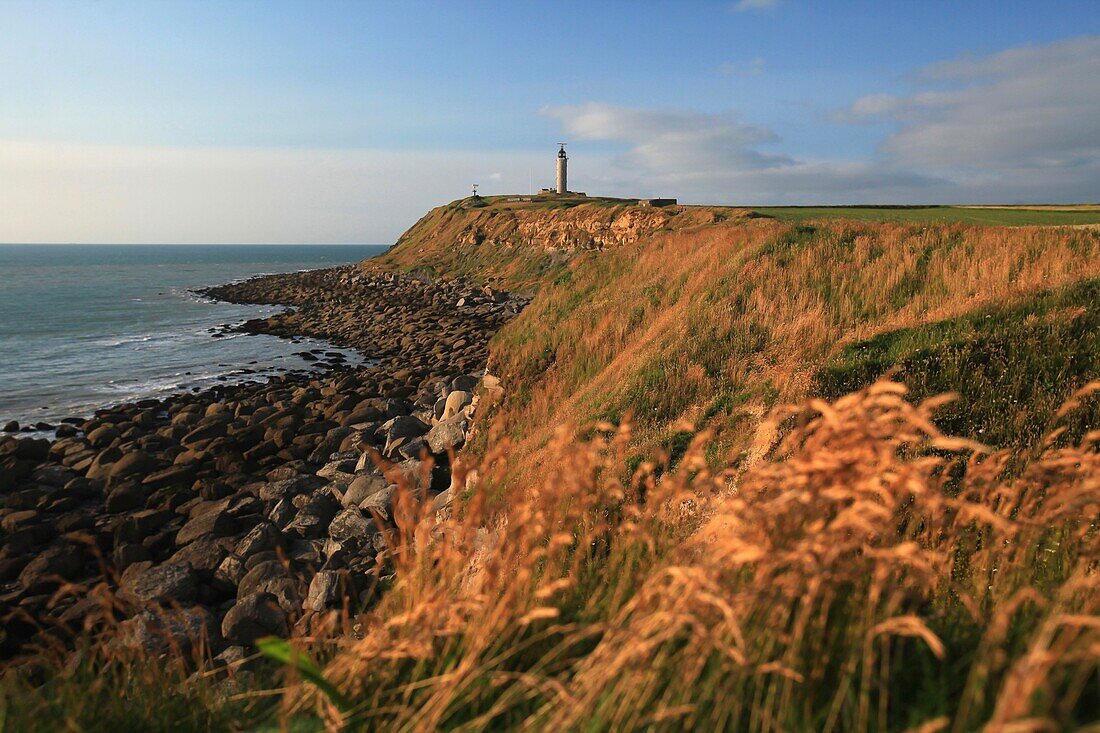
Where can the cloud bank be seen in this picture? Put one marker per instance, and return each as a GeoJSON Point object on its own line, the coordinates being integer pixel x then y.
{"type": "Point", "coordinates": [63, 192]}
{"type": "Point", "coordinates": [1019, 125]}
{"type": "Point", "coordinates": [719, 158]}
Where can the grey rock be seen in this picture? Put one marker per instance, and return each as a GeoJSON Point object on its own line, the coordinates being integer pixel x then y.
{"type": "Point", "coordinates": [289, 487]}
{"type": "Point", "coordinates": [362, 487]}
{"type": "Point", "coordinates": [412, 448]}
{"type": "Point", "coordinates": [141, 524]}
{"type": "Point", "coordinates": [261, 538]}
{"type": "Point", "coordinates": [447, 435]}
{"type": "Point", "coordinates": [215, 523]}
{"type": "Point", "coordinates": [253, 617]}
{"type": "Point", "coordinates": [274, 579]}
{"type": "Point", "coordinates": [341, 471]}
{"type": "Point", "coordinates": [464, 383]}
{"type": "Point", "coordinates": [283, 513]}
{"type": "Point", "coordinates": [401, 430]}
{"type": "Point", "coordinates": [164, 630]}
{"type": "Point", "coordinates": [229, 573]}
{"type": "Point", "coordinates": [258, 576]}
{"type": "Point", "coordinates": [323, 590]}
{"type": "Point", "coordinates": [350, 524]}
{"type": "Point", "coordinates": [135, 463]}
{"type": "Point", "coordinates": [455, 403]}
{"type": "Point", "coordinates": [306, 552]}
{"type": "Point", "coordinates": [380, 502]}
{"type": "Point", "coordinates": [330, 444]}
{"type": "Point", "coordinates": [144, 582]}
{"type": "Point", "coordinates": [204, 554]}
{"type": "Point", "coordinates": [51, 567]}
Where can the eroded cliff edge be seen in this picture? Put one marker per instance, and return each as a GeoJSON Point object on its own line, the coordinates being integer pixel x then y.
{"type": "Point", "coordinates": [516, 243]}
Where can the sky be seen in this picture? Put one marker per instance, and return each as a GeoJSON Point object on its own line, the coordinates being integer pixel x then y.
{"type": "Point", "coordinates": [329, 122]}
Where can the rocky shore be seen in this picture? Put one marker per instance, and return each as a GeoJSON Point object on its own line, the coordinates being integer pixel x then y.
{"type": "Point", "coordinates": [250, 509]}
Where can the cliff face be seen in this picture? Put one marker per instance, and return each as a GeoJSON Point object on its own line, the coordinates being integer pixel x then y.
{"type": "Point", "coordinates": [581, 227]}
{"type": "Point", "coordinates": [516, 243]}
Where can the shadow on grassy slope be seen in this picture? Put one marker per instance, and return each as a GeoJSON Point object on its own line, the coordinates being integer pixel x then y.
{"type": "Point", "coordinates": [1012, 366]}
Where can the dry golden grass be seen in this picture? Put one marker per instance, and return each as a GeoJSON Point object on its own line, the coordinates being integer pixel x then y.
{"type": "Point", "coordinates": [751, 310]}
{"type": "Point", "coordinates": [869, 573]}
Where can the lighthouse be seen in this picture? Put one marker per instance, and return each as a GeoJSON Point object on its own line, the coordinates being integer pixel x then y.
{"type": "Point", "coordinates": [563, 161]}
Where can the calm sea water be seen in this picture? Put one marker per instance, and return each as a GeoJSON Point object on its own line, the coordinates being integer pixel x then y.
{"type": "Point", "coordinates": [86, 326]}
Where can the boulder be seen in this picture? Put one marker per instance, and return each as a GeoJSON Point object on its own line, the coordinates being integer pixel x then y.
{"type": "Point", "coordinates": [290, 487]}
{"type": "Point", "coordinates": [100, 467]}
{"type": "Point", "coordinates": [464, 383]}
{"type": "Point", "coordinates": [125, 497]}
{"type": "Point", "coordinates": [49, 568]}
{"type": "Point", "coordinates": [141, 524]}
{"type": "Point", "coordinates": [203, 555]}
{"type": "Point", "coordinates": [102, 436]}
{"type": "Point", "coordinates": [351, 524]}
{"type": "Point", "coordinates": [144, 582]}
{"type": "Point", "coordinates": [253, 617]}
{"type": "Point", "coordinates": [447, 435]}
{"type": "Point", "coordinates": [18, 520]}
{"type": "Point", "coordinates": [455, 403]}
{"type": "Point", "coordinates": [261, 538]}
{"type": "Point", "coordinates": [273, 578]}
{"type": "Point", "coordinates": [323, 590]}
{"type": "Point", "coordinates": [229, 573]}
{"type": "Point", "coordinates": [216, 523]}
{"type": "Point", "coordinates": [362, 487]}
{"type": "Point", "coordinates": [380, 502]}
{"type": "Point", "coordinates": [176, 475]}
{"type": "Point", "coordinates": [134, 463]}
{"type": "Point", "coordinates": [340, 471]}
{"type": "Point", "coordinates": [171, 629]}
{"type": "Point", "coordinates": [401, 430]}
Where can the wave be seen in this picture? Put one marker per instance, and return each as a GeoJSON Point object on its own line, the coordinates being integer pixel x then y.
{"type": "Point", "coordinates": [115, 341]}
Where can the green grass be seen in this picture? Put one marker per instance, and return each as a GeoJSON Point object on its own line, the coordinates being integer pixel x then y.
{"type": "Point", "coordinates": [123, 694]}
{"type": "Point", "coordinates": [1012, 367]}
{"type": "Point", "coordinates": [938, 214]}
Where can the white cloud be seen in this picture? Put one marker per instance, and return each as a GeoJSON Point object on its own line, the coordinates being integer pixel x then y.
{"type": "Point", "coordinates": [1018, 125]}
{"type": "Point", "coordinates": [743, 5]}
{"type": "Point", "coordinates": [1032, 108]}
{"type": "Point", "coordinates": [66, 192]}
{"type": "Point", "coordinates": [717, 158]}
{"type": "Point", "coordinates": [752, 67]}
{"type": "Point", "coordinates": [664, 139]}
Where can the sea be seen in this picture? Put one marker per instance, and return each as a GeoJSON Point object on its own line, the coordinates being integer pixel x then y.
{"type": "Point", "coordinates": [89, 326]}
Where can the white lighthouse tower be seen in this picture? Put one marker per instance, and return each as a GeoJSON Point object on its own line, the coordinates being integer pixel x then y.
{"type": "Point", "coordinates": [563, 161]}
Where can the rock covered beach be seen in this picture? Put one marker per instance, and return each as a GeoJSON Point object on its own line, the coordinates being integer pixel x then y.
{"type": "Point", "coordinates": [247, 510]}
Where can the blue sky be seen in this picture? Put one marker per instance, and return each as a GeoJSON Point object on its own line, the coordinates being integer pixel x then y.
{"type": "Point", "coordinates": [327, 122]}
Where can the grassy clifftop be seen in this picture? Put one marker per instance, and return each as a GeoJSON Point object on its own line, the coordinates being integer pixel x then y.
{"type": "Point", "coordinates": [523, 244]}
{"type": "Point", "coordinates": [831, 566]}
{"type": "Point", "coordinates": [712, 315]}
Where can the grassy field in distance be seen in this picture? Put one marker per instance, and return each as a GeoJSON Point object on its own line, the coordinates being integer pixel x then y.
{"type": "Point", "coordinates": [1005, 215]}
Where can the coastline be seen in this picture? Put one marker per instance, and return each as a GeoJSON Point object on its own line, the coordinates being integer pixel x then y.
{"type": "Point", "coordinates": [91, 326]}
{"type": "Point", "coordinates": [240, 511]}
